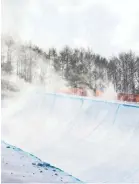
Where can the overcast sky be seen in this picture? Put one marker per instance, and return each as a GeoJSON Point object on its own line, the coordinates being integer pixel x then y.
{"type": "Point", "coordinates": [107, 26]}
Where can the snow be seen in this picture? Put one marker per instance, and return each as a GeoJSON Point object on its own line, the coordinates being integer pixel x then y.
{"type": "Point", "coordinates": [21, 167]}
{"type": "Point", "coordinates": [94, 140]}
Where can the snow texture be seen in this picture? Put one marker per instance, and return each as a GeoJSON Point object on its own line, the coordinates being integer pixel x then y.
{"type": "Point", "coordinates": [21, 167]}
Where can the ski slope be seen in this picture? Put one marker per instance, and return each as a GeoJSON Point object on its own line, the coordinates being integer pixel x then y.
{"type": "Point", "coordinates": [94, 140]}
{"type": "Point", "coordinates": [21, 167]}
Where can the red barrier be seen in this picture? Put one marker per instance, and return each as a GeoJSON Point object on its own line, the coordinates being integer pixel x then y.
{"type": "Point", "coordinates": [128, 97]}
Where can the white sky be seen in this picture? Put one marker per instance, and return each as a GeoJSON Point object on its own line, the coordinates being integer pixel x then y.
{"type": "Point", "coordinates": [107, 26]}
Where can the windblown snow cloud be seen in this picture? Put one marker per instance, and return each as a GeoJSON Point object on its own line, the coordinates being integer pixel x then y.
{"type": "Point", "coordinates": [107, 26]}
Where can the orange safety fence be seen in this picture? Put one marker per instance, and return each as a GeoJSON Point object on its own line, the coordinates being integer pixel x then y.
{"type": "Point", "coordinates": [74, 91]}
{"type": "Point", "coordinates": [99, 93]}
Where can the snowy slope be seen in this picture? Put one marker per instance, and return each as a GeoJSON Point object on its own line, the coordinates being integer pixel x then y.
{"type": "Point", "coordinates": [94, 140]}
{"type": "Point", "coordinates": [19, 166]}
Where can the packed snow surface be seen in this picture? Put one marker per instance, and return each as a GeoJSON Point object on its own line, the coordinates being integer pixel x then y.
{"type": "Point", "coordinates": [20, 167]}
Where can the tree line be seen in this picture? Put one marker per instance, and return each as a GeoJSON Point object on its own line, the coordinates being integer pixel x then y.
{"type": "Point", "coordinates": [80, 67]}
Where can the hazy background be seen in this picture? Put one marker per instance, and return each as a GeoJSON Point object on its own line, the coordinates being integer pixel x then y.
{"type": "Point", "coordinates": [109, 26]}
{"type": "Point", "coordinates": [80, 43]}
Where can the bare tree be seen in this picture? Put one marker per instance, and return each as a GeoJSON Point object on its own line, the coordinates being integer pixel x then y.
{"type": "Point", "coordinates": [7, 47]}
